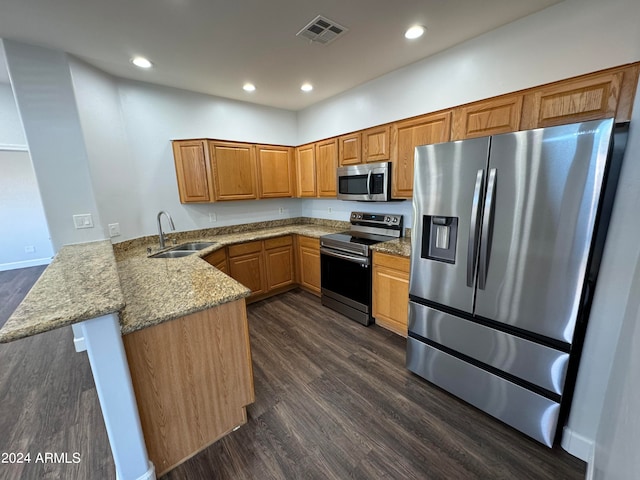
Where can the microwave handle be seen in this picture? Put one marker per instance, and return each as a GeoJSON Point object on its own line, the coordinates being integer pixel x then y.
{"type": "Point", "coordinates": [369, 184]}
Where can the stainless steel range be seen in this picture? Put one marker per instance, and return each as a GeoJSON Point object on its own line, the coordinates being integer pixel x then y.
{"type": "Point", "coordinates": [345, 260]}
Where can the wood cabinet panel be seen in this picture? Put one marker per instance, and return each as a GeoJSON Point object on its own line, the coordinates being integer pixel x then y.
{"type": "Point", "coordinates": [275, 171]}
{"type": "Point", "coordinates": [234, 170]}
{"type": "Point", "coordinates": [193, 171]}
{"type": "Point", "coordinates": [326, 165]}
{"type": "Point", "coordinates": [245, 248]}
{"type": "Point", "coordinates": [391, 292]}
{"type": "Point", "coordinates": [349, 149]}
{"type": "Point", "coordinates": [219, 260]}
{"type": "Point", "coordinates": [309, 263]}
{"type": "Point", "coordinates": [306, 171]}
{"type": "Point", "coordinates": [249, 271]}
{"type": "Point", "coordinates": [192, 379]}
{"type": "Point", "coordinates": [575, 100]}
{"type": "Point", "coordinates": [405, 137]}
{"type": "Point", "coordinates": [280, 266]}
{"type": "Point", "coordinates": [488, 117]}
{"type": "Point", "coordinates": [376, 144]}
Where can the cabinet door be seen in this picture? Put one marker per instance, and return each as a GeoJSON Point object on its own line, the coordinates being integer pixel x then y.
{"type": "Point", "coordinates": [306, 171]}
{"type": "Point", "coordinates": [234, 170]}
{"type": "Point", "coordinates": [375, 144]}
{"type": "Point", "coordinates": [193, 171]}
{"type": "Point", "coordinates": [275, 171]}
{"type": "Point", "coordinates": [219, 260]}
{"type": "Point", "coordinates": [309, 263]}
{"type": "Point", "coordinates": [327, 164]}
{"type": "Point", "coordinates": [349, 149]}
{"type": "Point", "coordinates": [489, 117]}
{"type": "Point", "coordinates": [279, 264]}
{"type": "Point", "coordinates": [576, 100]}
{"type": "Point", "coordinates": [405, 137]}
{"type": "Point", "coordinates": [246, 265]}
{"type": "Point", "coordinates": [391, 292]}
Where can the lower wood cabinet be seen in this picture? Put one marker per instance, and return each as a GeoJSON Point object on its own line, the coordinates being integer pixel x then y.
{"type": "Point", "coordinates": [219, 260]}
{"type": "Point", "coordinates": [192, 378]}
{"type": "Point", "coordinates": [246, 265]}
{"type": "Point", "coordinates": [279, 262]}
{"type": "Point", "coordinates": [309, 264]}
{"type": "Point", "coordinates": [391, 291]}
{"type": "Point", "coordinates": [263, 266]}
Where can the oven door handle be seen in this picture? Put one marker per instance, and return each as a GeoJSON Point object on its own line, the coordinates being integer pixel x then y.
{"type": "Point", "coordinates": [364, 261]}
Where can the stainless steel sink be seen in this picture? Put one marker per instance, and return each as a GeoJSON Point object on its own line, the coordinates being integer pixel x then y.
{"type": "Point", "coordinates": [192, 246]}
{"type": "Point", "coordinates": [173, 254]}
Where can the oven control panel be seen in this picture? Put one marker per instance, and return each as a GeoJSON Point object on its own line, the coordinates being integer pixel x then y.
{"type": "Point", "coordinates": [378, 219]}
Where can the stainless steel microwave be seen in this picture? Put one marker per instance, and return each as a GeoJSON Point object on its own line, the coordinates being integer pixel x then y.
{"type": "Point", "coordinates": [369, 182]}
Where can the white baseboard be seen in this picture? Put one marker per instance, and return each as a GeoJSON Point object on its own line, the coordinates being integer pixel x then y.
{"type": "Point", "coordinates": [24, 264]}
{"type": "Point", "coordinates": [577, 445]}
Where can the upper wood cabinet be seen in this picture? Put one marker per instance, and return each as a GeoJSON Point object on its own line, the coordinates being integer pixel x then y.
{"type": "Point", "coordinates": [326, 165]}
{"type": "Point", "coordinates": [489, 117]}
{"type": "Point", "coordinates": [574, 100]}
{"type": "Point", "coordinates": [234, 170]}
{"type": "Point", "coordinates": [306, 171]}
{"type": "Point", "coordinates": [376, 144]}
{"type": "Point", "coordinates": [275, 171]}
{"type": "Point", "coordinates": [349, 149]}
{"type": "Point", "coordinates": [193, 171]}
{"type": "Point", "coordinates": [405, 137]}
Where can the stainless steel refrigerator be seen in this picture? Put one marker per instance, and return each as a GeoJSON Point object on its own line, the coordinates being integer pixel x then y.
{"type": "Point", "coordinates": [506, 240]}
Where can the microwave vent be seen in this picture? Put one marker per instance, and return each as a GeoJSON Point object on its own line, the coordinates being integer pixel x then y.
{"type": "Point", "coordinates": [322, 30]}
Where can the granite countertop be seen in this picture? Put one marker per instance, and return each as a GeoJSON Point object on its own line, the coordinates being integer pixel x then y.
{"type": "Point", "coordinates": [92, 279]}
{"type": "Point", "coordinates": [80, 283]}
{"type": "Point", "coordinates": [400, 246]}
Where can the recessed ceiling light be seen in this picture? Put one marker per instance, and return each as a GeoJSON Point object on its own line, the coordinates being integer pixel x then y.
{"type": "Point", "coordinates": [249, 87]}
{"type": "Point", "coordinates": [414, 32]}
{"type": "Point", "coordinates": [141, 62]}
{"type": "Point", "coordinates": [306, 87]}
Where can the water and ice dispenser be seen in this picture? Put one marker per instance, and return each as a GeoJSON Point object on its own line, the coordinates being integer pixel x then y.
{"type": "Point", "coordinates": [439, 238]}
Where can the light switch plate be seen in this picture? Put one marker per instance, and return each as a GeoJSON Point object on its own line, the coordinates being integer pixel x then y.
{"type": "Point", "coordinates": [114, 229]}
{"type": "Point", "coordinates": [84, 220]}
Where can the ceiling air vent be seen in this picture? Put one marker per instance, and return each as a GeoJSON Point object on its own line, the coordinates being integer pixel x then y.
{"type": "Point", "coordinates": [322, 30]}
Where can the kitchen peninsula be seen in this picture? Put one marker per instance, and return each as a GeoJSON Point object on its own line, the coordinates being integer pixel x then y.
{"type": "Point", "coordinates": [167, 338]}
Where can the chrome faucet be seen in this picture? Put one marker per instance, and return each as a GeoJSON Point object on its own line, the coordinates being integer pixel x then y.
{"type": "Point", "coordinates": [160, 233]}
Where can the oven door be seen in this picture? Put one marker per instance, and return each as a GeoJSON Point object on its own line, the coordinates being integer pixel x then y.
{"type": "Point", "coordinates": [346, 284]}
{"type": "Point", "coordinates": [364, 182]}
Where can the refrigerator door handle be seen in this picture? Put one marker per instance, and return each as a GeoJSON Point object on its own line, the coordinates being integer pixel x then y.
{"type": "Point", "coordinates": [474, 229]}
{"type": "Point", "coordinates": [487, 229]}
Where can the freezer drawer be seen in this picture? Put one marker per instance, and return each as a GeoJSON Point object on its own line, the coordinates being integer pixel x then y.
{"type": "Point", "coordinates": [532, 362]}
{"type": "Point", "coordinates": [528, 412]}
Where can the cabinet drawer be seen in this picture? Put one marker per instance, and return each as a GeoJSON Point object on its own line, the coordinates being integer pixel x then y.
{"type": "Point", "coordinates": [391, 261]}
{"type": "Point", "coordinates": [278, 242]}
{"type": "Point", "coordinates": [245, 248]}
{"type": "Point", "coordinates": [309, 242]}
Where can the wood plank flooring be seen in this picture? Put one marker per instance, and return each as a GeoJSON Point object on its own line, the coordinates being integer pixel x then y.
{"type": "Point", "coordinates": [14, 285]}
{"type": "Point", "coordinates": [333, 401]}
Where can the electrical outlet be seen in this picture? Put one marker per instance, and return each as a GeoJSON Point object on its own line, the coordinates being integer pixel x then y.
{"type": "Point", "coordinates": [281, 210]}
{"type": "Point", "coordinates": [29, 249]}
{"type": "Point", "coordinates": [114, 229]}
{"type": "Point", "coordinates": [330, 210]}
{"type": "Point", "coordinates": [84, 220]}
{"type": "Point", "coordinates": [212, 217]}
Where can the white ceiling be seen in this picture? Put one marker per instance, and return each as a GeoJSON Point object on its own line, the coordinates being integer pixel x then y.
{"type": "Point", "coordinates": [214, 46]}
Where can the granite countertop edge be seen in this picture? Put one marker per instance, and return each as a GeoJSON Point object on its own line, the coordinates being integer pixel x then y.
{"type": "Point", "coordinates": [149, 291]}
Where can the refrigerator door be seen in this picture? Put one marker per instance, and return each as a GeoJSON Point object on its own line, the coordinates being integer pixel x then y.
{"type": "Point", "coordinates": [541, 204]}
{"type": "Point", "coordinates": [447, 199]}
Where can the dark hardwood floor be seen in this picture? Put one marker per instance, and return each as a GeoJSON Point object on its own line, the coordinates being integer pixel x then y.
{"type": "Point", "coordinates": [333, 401]}
{"type": "Point", "coordinates": [14, 285]}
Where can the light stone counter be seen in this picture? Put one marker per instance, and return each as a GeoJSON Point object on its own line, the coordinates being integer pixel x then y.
{"type": "Point", "coordinates": [80, 283]}
{"type": "Point", "coordinates": [87, 280]}
{"type": "Point", "coordinates": [400, 246]}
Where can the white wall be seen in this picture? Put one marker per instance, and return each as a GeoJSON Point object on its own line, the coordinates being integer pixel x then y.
{"type": "Point", "coordinates": [41, 82]}
{"type": "Point", "coordinates": [22, 220]}
{"type": "Point", "coordinates": [571, 38]}
{"type": "Point", "coordinates": [128, 126]}
{"type": "Point", "coordinates": [11, 132]}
